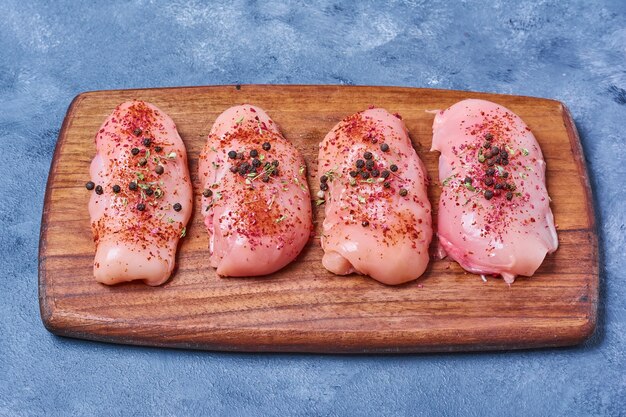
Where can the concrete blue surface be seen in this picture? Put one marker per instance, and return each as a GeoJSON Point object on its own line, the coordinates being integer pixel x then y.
{"type": "Point", "coordinates": [50, 51]}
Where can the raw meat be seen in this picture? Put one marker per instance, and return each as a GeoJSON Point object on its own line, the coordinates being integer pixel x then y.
{"type": "Point", "coordinates": [256, 202]}
{"type": "Point", "coordinates": [142, 198]}
{"type": "Point", "coordinates": [378, 217]}
{"type": "Point", "coordinates": [494, 211]}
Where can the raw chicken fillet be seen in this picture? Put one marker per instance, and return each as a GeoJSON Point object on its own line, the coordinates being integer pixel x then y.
{"type": "Point", "coordinates": [494, 210]}
{"type": "Point", "coordinates": [256, 202]}
{"type": "Point", "coordinates": [142, 199]}
{"type": "Point", "coordinates": [378, 217]}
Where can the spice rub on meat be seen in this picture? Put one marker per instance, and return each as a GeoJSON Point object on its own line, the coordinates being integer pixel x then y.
{"type": "Point", "coordinates": [494, 210]}
{"type": "Point", "coordinates": [142, 196]}
{"type": "Point", "coordinates": [378, 217]}
{"type": "Point", "coordinates": [256, 202]}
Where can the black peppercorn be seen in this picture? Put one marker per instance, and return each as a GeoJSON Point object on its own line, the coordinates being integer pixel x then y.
{"type": "Point", "coordinates": [159, 169]}
{"type": "Point", "coordinates": [324, 178]}
{"type": "Point", "coordinates": [143, 161]}
{"type": "Point", "coordinates": [369, 165]}
{"type": "Point", "coordinates": [505, 174]}
{"type": "Point", "coordinates": [256, 163]}
{"type": "Point", "coordinates": [275, 163]}
{"type": "Point", "coordinates": [116, 189]}
{"type": "Point", "coordinates": [147, 142]}
{"type": "Point", "coordinates": [324, 186]}
{"type": "Point", "coordinates": [365, 175]}
{"type": "Point", "coordinates": [158, 149]}
{"type": "Point", "coordinates": [266, 146]}
{"type": "Point", "coordinates": [99, 190]}
{"type": "Point", "coordinates": [488, 136]}
{"type": "Point", "coordinates": [488, 181]}
{"type": "Point", "coordinates": [490, 171]}
{"type": "Point", "coordinates": [495, 151]}
{"type": "Point", "coordinates": [141, 206]}
{"type": "Point", "coordinates": [90, 185]}
{"type": "Point", "coordinates": [265, 178]}
{"type": "Point", "coordinates": [488, 194]}
{"type": "Point", "coordinates": [365, 223]}
{"type": "Point", "coordinates": [132, 186]}
{"type": "Point", "coordinates": [386, 184]}
{"type": "Point", "coordinates": [360, 163]}
{"type": "Point", "coordinates": [134, 151]}
{"type": "Point", "coordinates": [232, 154]}
{"type": "Point", "coordinates": [509, 195]}
{"type": "Point", "coordinates": [375, 173]}
{"type": "Point", "coordinates": [393, 168]}
{"type": "Point", "coordinates": [486, 145]}
{"type": "Point", "coordinates": [254, 153]}
{"type": "Point", "coordinates": [207, 193]}
{"type": "Point", "coordinates": [384, 147]}
{"type": "Point", "coordinates": [353, 174]}
{"type": "Point", "coordinates": [504, 154]}
{"type": "Point", "coordinates": [234, 169]}
{"type": "Point", "coordinates": [468, 180]}
{"type": "Point", "coordinates": [368, 155]}
{"type": "Point", "coordinates": [491, 162]}
{"type": "Point", "coordinates": [177, 207]}
{"type": "Point", "coordinates": [385, 174]}
{"type": "Point", "coordinates": [403, 192]}
{"type": "Point", "coordinates": [137, 132]}
{"type": "Point", "coordinates": [149, 191]}
{"type": "Point", "coordinates": [504, 162]}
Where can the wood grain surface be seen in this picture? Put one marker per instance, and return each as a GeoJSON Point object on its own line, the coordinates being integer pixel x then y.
{"type": "Point", "coordinates": [303, 307]}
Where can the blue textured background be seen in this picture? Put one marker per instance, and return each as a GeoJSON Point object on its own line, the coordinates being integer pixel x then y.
{"type": "Point", "coordinates": [571, 51]}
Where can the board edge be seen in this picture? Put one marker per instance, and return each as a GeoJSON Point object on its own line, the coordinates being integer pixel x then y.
{"type": "Point", "coordinates": [241, 87]}
{"type": "Point", "coordinates": [588, 328]}
{"type": "Point", "coordinates": [46, 304]}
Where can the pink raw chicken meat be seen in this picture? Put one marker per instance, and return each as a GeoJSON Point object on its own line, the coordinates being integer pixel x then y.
{"type": "Point", "coordinates": [494, 211]}
{"type": "Point", "coordinates": [135, 216]}
{"type": "Point", "coordinates": [378, 217]}
{"type": "Point", "coordinates": [256, 206]}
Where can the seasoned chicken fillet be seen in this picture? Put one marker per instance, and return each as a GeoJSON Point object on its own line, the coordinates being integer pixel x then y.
{"type": "Point", "coordinates": [141, 199]}
{"type": "Point", "coordinates": [256, 202]}
{"type": "Point", "coordinates": [378, 217]}
{"type": "Point", "coordinates": [494, 210]}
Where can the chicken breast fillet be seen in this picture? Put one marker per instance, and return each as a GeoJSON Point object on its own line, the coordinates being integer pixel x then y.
{"type": "Point", "coordinates": [494, 210]}
{"type": "Point", "coordinates": [378, 217]}
{"type": "Point", "coordinates": [142, 199]}
{"type": "Point", "coordinates": [256, 202]}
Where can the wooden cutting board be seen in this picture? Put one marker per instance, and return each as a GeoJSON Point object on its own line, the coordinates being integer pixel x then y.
{"type": "Point", "coordinates": [303, 307]}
